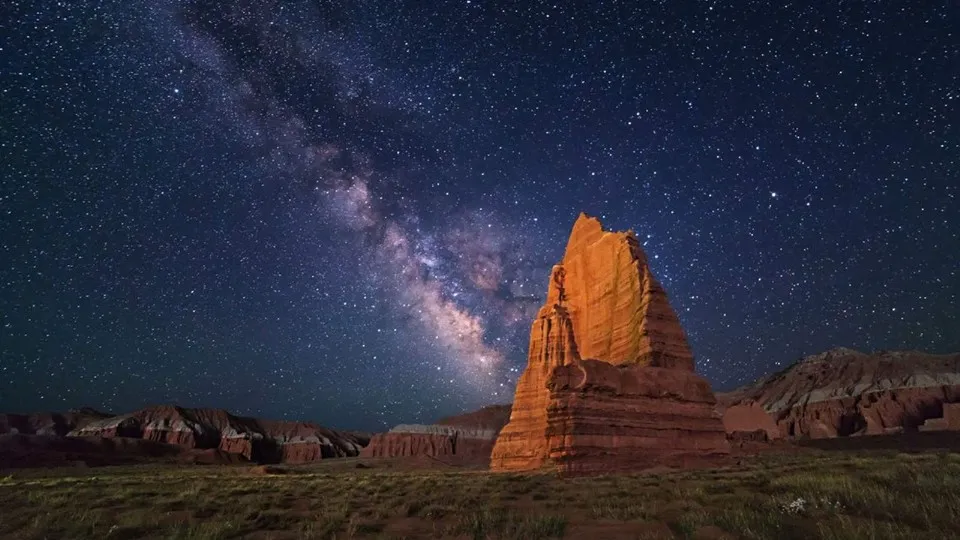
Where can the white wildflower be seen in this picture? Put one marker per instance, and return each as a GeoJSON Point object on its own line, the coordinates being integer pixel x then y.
{"type": "Point", "coordinates": [796, 506]}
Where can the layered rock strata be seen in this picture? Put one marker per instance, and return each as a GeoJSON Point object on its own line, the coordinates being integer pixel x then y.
{"type": "Point", "coordinates": [266, 441]}
{"type": "Point", "coordinates": [844, 392]}
{"type": "Point", "coordinates": [609, 383]}
{"type": "Point", "coordinates": [461, 439]}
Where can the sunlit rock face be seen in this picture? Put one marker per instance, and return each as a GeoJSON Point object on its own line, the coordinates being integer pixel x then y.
{"type": "Point", "coordinates": [619, 311]}
{"type": "Point", "coordinates": [609, 383]}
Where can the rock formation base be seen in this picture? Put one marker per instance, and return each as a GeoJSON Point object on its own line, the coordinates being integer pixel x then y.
{"type": "Point", "coordinates": [605, 418]}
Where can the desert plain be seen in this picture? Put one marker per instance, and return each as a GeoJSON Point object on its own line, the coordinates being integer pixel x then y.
{"type": "Point", "coordinates": [797, 493]}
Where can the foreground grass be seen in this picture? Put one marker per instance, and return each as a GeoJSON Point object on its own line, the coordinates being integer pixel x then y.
{"type": "Point", "coordinates": [816, 495]}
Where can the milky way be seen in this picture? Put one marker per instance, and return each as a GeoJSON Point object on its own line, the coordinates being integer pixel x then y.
{"type": "Point", "coordinates": [347, 212]}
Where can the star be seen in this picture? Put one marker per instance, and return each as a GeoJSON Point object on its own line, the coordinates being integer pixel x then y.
{"type": "Point", "coordinates": [349, 213]}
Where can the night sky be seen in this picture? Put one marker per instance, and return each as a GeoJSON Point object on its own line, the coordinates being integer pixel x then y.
{"type": "Point", "coordinates": [346, 212]}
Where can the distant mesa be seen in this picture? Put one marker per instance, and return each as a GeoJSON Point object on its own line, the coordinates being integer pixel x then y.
{"type": "Point", "coordinates": [255, 439]}
{"type": "Point", "coordinates": [183, 434]}
{"type": "Point", "coordinates": [462, 440]}
{"type": "Point", "coordinates": [843, 392]}
{"type": "Point", "coordinates": [49, 424]}
{"type": "Point", "coordinates": [489, 418]}
{"type": "Point", "coordinates": [609, 383]}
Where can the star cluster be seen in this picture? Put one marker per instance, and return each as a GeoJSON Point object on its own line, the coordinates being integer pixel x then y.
{"type": "Point", "coordinates": [347, 211]}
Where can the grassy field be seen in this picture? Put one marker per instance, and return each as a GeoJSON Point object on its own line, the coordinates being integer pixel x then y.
{"type": "Point", "coordinates": [814, 495]}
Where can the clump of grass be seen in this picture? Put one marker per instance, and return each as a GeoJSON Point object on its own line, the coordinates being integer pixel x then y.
{"type": "Point", "coordinates": [435, 511]}
{"type": "Point", "coordinates": [501, 523]}
{"type": "Point", "coordinates": [625, 509]}
{"type": "Point", "coordinates": [210, 530]}
{"type": "Point", "coordinates": [270, 519]}
{"type": "Point", "coordinates": [545, 526]}
{"type": "Point", "coordinates": [753, 523]}
{"type": "Point", "coordinates": [718, 488]}
{"type": "Point", "coordinates": [410, 508]}
{"type": "Point", "coordinates": [689, 522]}
{"type": "Point", "coordinates": [848, 528]}
{"type": "Point", "coordinates": [329, 521]}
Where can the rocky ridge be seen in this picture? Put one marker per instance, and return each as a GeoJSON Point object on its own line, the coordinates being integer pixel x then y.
{"type": "Point", "coordinates": [845, 392]}
{"type": "Point", "coordinates": [185, 435]}
{"type": "Point", "coordinates": [258, 440]}
{"type": "Point", "coordinates": [49, 423]}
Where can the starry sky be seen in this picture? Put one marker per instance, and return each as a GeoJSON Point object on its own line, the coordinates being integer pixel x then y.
{"type": "Point", "coordinates": [346, 212]}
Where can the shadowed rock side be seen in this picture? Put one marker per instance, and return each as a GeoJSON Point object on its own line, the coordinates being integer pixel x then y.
{"type": "Point", "coordinates": [49, 423]}
{"type": "Point", "coordinates": [844, 392]}
{"type": "Point", "coordinates": [460, 440]}
{"type": "Point", "coordinates": [491, 417]}
{"type": "Point", "coordinates": [949, 421]}
{"type": "Point", "coordinates": [266, 441]}
{"type": "Point", "coordinates": [25, 451]}
{"type": "Point", "coordinates": [523, 443]}
{"type": "Point", "coordinates": [749, 421]}
{"type": "Point", "coordinates": [609, 383]}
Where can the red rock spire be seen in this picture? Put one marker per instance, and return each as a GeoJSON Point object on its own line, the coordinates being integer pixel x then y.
{"type": "Point", "coordinates": [604, 350]}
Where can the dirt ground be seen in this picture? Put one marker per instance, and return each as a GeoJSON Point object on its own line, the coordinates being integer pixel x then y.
{"type": "Point", "coordinates": [810, 494]}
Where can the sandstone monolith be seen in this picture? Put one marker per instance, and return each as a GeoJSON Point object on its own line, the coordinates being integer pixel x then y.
{"type": "Point", "coordinates": [609, 383]}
